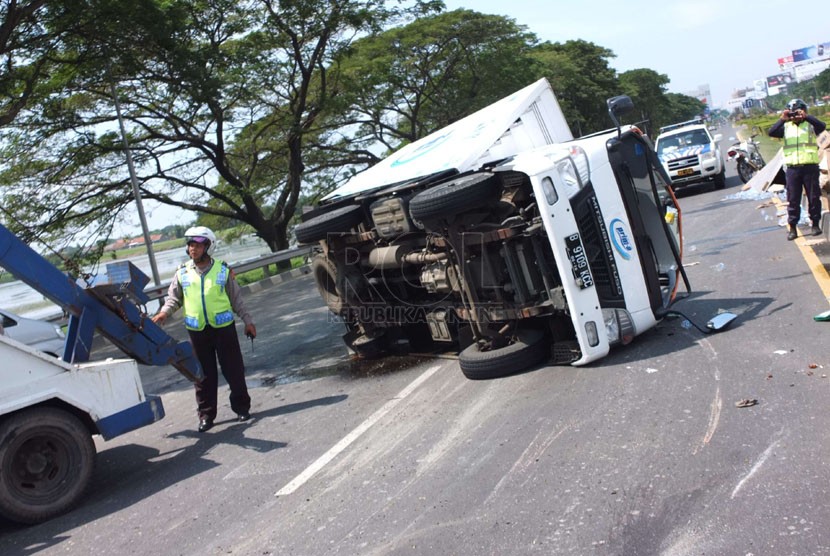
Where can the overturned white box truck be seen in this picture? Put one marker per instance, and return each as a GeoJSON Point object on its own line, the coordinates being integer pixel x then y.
{"type": "Point", "coordinates": [503, 238]}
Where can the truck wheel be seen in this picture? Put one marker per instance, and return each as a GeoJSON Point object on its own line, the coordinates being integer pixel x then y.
{"type": "Point", "coordinates": [720, 179]}
{"type": "Point", "coordinates": [325, 276]}
{"type": "Point", "coordinates": [338, 221]}
{"type": "Point", "coordinates": [528, 349]}
{"type": "Point", "coordinates": [453, 197]}
{"type": "Point", "coordinates": [46, 461]}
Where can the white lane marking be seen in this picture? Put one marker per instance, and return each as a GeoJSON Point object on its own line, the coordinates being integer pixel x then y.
{"type": "Point", "coordinates": [755, 467]}
{"type": "Point", "coordinates": [321, 462]}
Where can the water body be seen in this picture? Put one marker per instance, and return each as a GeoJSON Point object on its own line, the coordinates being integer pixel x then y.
{"type": "Point", "coordinates": [19, 298]}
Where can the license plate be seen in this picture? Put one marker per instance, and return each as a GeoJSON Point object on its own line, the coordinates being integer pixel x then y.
{"type": "Point", "coordinates": [579, 261]}
{"type": "Point", "coordinates": [685, 171]}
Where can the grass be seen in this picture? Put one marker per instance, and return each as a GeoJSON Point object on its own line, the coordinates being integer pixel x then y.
{"type": "Point", "coordinates": [259, 273]}
{"type": "Point", "coordinates": [142, 249]}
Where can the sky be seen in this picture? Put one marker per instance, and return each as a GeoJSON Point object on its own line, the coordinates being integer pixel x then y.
{"type": "Point", "coordinates": [725, 44]}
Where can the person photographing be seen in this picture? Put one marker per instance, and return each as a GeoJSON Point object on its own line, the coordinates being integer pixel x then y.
{"type": "Point", "coordinates": [799, 131]}
{"type": "Point", "coordinates": [207, 290]}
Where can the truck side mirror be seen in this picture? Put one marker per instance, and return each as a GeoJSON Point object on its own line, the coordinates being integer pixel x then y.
{"type": "Point", "coordinates": [715, 324]}
{"type": "Point", "coordinates": [721, 321]}
{"type": "Point", "coordinates": [617, 106]}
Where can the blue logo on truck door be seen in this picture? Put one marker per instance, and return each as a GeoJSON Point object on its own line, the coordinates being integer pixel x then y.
{"type": "Point", "coordinates": [621, 239]}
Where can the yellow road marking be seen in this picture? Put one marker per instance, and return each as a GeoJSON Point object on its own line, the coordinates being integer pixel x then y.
{"type": "Point", "coordinates": [816, 266]}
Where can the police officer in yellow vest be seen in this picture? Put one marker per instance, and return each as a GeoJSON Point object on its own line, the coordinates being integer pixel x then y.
{"type": "Point", "coordinates": [207, 289]}
{"type": "Point", "coordinates": [799, 131]}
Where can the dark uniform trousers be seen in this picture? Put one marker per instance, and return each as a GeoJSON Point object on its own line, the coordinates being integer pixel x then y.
{"type": "Point", "coordinates": [807, 176]}
{"type": "Point", "coordinates": [222, 343]}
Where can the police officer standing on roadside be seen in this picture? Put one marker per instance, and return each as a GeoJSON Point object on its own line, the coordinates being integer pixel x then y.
{"type": "Point", "coordinates": [207, 289]}
{"type": "Point", "coordinates": [799, 131]}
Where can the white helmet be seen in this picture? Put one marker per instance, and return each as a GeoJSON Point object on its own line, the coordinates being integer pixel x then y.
{"type": "Point", "coordinates": [201, 234]}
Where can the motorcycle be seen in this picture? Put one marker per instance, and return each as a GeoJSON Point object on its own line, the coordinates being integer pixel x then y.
{"type": "Point", "coordinates": [747, 155]}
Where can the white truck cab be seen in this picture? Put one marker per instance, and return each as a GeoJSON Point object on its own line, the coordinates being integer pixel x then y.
{"type": "Point", "coordinates": [506, 240]}
{"type": "Point", "coordinates": [690, 154]}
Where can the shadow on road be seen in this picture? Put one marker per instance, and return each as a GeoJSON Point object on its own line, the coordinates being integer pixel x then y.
{"type": "Point", "coordinates": [128, 474]}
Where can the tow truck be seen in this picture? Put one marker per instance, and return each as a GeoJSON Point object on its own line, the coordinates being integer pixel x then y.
{"type": "Point", "coordinates": [50, 408]}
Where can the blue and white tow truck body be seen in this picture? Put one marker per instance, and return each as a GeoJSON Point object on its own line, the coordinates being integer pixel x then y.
{"type": "Point", "coordinates": [50, 408]}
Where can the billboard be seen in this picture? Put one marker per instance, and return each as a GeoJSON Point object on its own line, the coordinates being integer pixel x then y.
{"type": "Point", "coordinates": [778, 80]}
{"type": "Point", "coordinates": [785, 63]}
{"type": "Point", "coordinates": [760, 88]}
{"type": "Point", "coordinates": [814, 52]}
{"type": "Point", "coordinates": [810, 70]}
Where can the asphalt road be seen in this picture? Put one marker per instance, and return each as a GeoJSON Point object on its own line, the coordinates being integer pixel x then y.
{"type": "Point", "coordinates": [644, 452]}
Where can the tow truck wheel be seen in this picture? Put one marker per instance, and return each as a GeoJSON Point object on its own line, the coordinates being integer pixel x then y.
{"type": "Point", "coordinates": [337, 221]}
{"type": "Point", "coordinates": [46, 462]}
{"type": "Point", "coordinates": [454, 197]}
{"type": "Point", "coordinates": [527, 350]}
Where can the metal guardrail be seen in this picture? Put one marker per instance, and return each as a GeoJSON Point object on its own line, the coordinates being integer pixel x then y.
{"type": "Point", "coordinates": [157, 292]}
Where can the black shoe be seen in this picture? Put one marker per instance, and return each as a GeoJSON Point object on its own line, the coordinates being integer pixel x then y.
{"type": "Point", "coordinates": [792, 234]}
{"type": "Point", "coordinates": [205, 425]}
{"type": "Point", "coordinates": [816, 230]}
{"type": "Point", "coordinates": [242, 417]}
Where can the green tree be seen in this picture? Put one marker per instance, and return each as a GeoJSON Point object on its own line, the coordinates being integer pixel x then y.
{"type": "Point", "coordinates": [238, 110]}
{"type": "Point", "coordinates": [219, 97]}
{"type": "Point", "coordinates": [29, 35]}
{"type": "Point", "coordinates": [681, 108]}
{"type": "Point", "coordinates": [400, 85]}
{"type": "Point", "coordinates": [582, 80]}
{"type": "Point", "coordinates": [822, 84]}
{"type": "Point", "coordinates": [647, 89]}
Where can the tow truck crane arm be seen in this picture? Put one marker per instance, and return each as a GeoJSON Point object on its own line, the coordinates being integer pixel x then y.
{"type": "Point", "coordinates": [111, 307]}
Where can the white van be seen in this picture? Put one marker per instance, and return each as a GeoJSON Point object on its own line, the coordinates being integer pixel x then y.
{"type": "Point", "coordinates": [510, 242]}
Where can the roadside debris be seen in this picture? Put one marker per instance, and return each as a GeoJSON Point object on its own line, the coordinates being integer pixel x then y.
{"type": "Point", "coordinates": [747, 402]}
{"type": "Point", "coordinates": [822, 317]}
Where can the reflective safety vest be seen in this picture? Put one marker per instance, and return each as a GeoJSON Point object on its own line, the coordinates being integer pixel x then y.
{"type": "Point", "coordinates": [204, 296]}
{"type": "Point", "coordinates": [800, 144]}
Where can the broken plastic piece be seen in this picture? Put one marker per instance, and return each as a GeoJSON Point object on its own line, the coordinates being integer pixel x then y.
{"type": "Point", "coordinates": [822, 317]}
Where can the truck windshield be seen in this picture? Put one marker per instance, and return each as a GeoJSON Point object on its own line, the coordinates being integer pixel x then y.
{"type": "Point", "coordinates": [653, 215]}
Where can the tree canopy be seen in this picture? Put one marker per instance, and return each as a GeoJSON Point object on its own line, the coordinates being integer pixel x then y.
{"type": "Point", "coordinates": [240, 110]}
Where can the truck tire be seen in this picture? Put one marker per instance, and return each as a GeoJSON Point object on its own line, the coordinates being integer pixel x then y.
{"type": "Point", "coordinates": [46, 462]}
{"type": "Point", "coordinates": [453, 197]}
{"type": "Point", "coordinates": [337, 221]}
{"type": "Point", "coordinates": [528, 349]}
{"type": "Point", "coordinates": [325, 277]}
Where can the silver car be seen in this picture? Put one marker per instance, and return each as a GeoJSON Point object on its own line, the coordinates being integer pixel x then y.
{"type": "Point", "coordinates": [41, 335]}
